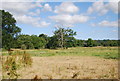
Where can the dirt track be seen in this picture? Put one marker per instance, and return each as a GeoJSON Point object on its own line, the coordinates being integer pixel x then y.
{"type": "Point", "coordinates": [65, 67]}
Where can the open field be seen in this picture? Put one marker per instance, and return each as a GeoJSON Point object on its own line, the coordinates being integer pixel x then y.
{"type": "Point", "coordinates": [104, 52]}
{"type": "Point", "coordinates": [72, 63]}
{"type": "Point", "coordinates": [64, 67]}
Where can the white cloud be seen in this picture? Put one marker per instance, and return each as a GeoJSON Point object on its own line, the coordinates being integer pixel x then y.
{"type": "Point", "coordinates": [106, 23]}
{"type": "Point", "coordinates": [23, 13]}
{"type": "Point", "coordinates": [57, 1]}
{"type": "Point", "coordinates": [31, 20]}
{"type": "Point", "coordinates": [13, 0]}
{"type": "Point", "coordinates": [43, 24]}
{"type": "Point", "coordinates": [93, 24]}
{"type": "Point", "coordinates": [66, 7]}
{"type": "Point", "coordinates": [115, 30]}
{"type": "Point", "coordinates": [101, 8]}
{"type": "Point", "coordinates": [47, 7]}
{"type": "Point", "coordinates": [67, 15]}
{"type": "Point", "coordinates": [19, 8]}
{"type": "Point", "coordinates": [113, 6]}
{"type": "Point", "coordinates": [69, 19]}
{"type": "Point", "coordinates": [114, 0]}
{"type": "Point", "coordinates": [36, 13]}
{"type": "Point", "coordinates": [22, 0]}
{"type": "Point", "coordinates": [26, 19]}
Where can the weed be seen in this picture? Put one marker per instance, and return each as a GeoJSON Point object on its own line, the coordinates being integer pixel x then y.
{"type": "Point", "coordinates": [26, 59]}
{"type": "Point", "coordinates": [13, 62]}
{"type": "Point", "coordinates": [10, 66]}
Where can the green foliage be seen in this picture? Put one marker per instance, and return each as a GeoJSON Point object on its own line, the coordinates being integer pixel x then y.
{"type": "Point", "coordinates": [110, 43]}
{"type": "Point", "coordinates": [62, 38]}
{"type": "Point", "coordinates": [90, 42]}
{"type": "Point", "coordinates": [26, 40]}
{"type": "Point", "coordinates": [9, 30]}
{"type": "Point", "coordinates": [23, 46]}
{"type": "Point", "coordinates": [80, 43]}
{"type": "Point", "coordinates": [53, 43]}
{"type": "Point", "coordinates": [71, 42]}
{"type": "Point", "coordinates": [31, 42]}
{"type": "Point", "coordinates": [44, 37]}
{"type": "Point", "coordinates": [38, 42]}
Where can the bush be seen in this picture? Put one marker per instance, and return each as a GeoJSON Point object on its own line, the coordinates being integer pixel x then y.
{"type": "Point", "coordinates": [23, 46]}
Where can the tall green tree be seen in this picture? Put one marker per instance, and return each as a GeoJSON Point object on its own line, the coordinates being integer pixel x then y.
{"type": "Point", "coordinates": [9, 30]}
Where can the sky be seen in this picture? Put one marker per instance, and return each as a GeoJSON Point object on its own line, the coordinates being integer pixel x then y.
{"type": "Point", "coordinates": [96, 20]}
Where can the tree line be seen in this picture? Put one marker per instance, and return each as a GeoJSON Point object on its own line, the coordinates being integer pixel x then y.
{"type": "Point", "coordinates": [54, 42]}
{"type": "Point", "coordinates": [62, 38]}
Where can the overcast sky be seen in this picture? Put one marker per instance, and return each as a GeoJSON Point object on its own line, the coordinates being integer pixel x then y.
{"type": "Point", "coordinates": [96, 20]}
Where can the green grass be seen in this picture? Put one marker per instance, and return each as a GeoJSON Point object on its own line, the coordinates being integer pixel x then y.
{"type": "Point", "coordinates": [104, 52]}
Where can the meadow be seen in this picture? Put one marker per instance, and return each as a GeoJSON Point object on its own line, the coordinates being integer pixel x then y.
{"type": "Point", "coordinates": [71, 63]}
{"type": "Point", "coordinates": [103, 52]}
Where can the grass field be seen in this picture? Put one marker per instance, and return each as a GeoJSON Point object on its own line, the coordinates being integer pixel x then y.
{"type": "Point", "coordinates": [71, 63]}
{"type": "Point", "coordinates": [104, 52]}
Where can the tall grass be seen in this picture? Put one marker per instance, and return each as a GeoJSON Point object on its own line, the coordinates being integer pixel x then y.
{"type": "Point", "coordinates": [14, 62]}
{"type": "Point", "coordinates": [26, 59]}
{"type": "Point", "coordinates": [10, 67]}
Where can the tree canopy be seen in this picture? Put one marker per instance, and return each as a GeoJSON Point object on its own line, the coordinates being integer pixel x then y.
{"type": "Point", "coordinates": [9, 30]}
{"type": "Point", "coordinates": [61, 38]}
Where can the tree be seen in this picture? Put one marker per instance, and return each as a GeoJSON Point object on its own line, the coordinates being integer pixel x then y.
{"type": "Point", "coordinates": [9, 30]}
{"type": "Point", "coordinates": [31, 42]}
{"type": "Point", "coordinates": [79, 42]}
{"type": "Point", "coordinates": [0, 29]}
{"type": "Point", "coordinates": [90, 42]}
{"type": "Point", "coordinates": [61, 39]}
{"type": "Point", "coordinates": [25, 40]}
{"type": "Point", "coordinates": [38, 42]}
{"type": "Point", "coordinates": [53, 43]}
{"type": "Point", "coordinates": [44, 36]}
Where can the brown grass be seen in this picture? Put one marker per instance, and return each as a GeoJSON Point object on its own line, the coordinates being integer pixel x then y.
{"type": "Point", "coordinates": [71, 67]}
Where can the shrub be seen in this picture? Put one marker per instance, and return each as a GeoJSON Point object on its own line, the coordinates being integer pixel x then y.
{"type": "Point", "coordinates": [23, 47]}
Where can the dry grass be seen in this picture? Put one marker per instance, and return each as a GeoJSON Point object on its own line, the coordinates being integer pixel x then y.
{"type": "Point", "coordinates": [69, 67]}
{"type": "Point", "coordinates": [12, 63]}
{"type": "Point", "coordinates": [72, 63]}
